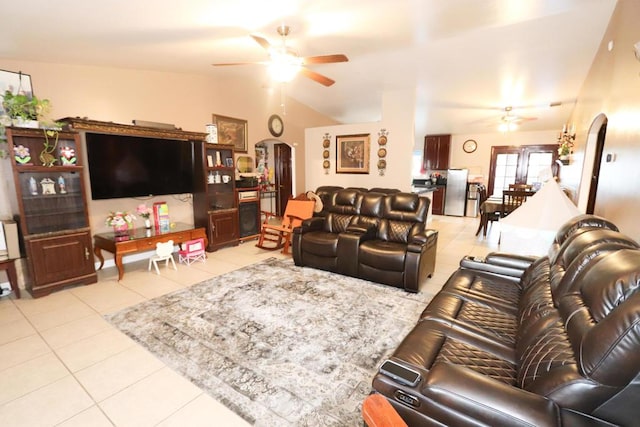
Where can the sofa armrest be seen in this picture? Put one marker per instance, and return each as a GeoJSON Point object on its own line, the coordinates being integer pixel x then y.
{"type": "Point", "coordinates": [310, 224]}
{"type": "Point", "coordinates": [498, 266]}
{"type": "Point", "coordinates": [521, 262]}
{"type": "Point", "coordinates": [425, 237]}
{"type": "Point", "coordinates": [366, 231]}
{"type": "Point", "coordinates": [459, 395]}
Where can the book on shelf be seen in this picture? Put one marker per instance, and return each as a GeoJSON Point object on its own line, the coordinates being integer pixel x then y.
{"type": "Point", "coordinates": [161, 216]}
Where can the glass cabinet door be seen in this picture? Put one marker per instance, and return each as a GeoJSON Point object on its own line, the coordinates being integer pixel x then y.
{"type": "Point", "coordinates": [52, 201]}
{"type": "Point", "coordinates": [220, 176]}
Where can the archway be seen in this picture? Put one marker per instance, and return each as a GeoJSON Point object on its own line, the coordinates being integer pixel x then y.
{"type": "Point", "coordinates": [271, 145]}
{"type": "Point", "coordinates": [591, 167]}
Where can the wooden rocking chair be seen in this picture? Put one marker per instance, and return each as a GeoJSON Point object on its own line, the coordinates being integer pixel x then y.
{"type": "Point", "coordinates": [279, 234]}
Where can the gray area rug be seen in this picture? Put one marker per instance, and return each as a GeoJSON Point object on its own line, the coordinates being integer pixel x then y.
{"type": "Point", "coordinates": [278, 344]}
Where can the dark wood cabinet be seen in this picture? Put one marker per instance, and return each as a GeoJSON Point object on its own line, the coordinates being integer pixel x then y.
{"type": "Point", "coordinates": [48, 176]}
{"type": "Point", "coordinates": [437, 201]}
{"type": "Point", "coordinates": [60, 260]}
{"type": "Point", "coordinates": [214, 201]}
{"type": "Point", "coordinates": [436, 152]}
{"type": "Point", "coordinates": [223, 228]}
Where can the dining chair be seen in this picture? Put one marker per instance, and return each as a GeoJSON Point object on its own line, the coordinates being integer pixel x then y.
{"type": "Point", "coordinates": [512, 200]}
{"type": "Point", "coordinates": [164, 252]}
{"type": "Point", "coordinates": [526, 187]}
{"type": "Point", "coordinates": [486, 215]}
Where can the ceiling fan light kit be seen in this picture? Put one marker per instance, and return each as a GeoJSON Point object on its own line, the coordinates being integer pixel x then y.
{"type": "Point", "coordinates": [285, 63]}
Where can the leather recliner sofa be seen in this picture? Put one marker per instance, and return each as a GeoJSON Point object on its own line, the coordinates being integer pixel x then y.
{"type": "Point", "coordinates": [381, 237]}
{"type": "Point", "coordinates": [511, 340]}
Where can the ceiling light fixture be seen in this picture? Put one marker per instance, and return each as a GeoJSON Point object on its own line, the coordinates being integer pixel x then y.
{"type": "Point", "coordinates": [508, 122]}
{"type": "Point", "coordinates": [284, 65]}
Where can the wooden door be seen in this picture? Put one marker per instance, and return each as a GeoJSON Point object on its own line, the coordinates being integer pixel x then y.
{"type": "Point", "coordinates": [519, 165]}
{"type": "Point", "coordinates": [283, 176]}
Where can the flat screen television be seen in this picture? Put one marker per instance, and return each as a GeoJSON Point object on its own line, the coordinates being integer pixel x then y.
{"type": "Point", "coordinates": [131, 166]}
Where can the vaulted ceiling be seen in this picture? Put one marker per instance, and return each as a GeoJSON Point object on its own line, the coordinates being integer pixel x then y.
{"type": "Point", "coordinates": [466, 60]}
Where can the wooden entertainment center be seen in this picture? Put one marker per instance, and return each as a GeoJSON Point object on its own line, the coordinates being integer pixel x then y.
{"type": "Point", "coordinates": [49, 180]}
{"type": "Point", "coordinates": [214, 206]}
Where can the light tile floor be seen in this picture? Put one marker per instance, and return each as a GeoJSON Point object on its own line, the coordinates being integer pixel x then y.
{"type": "Point", "coordinates": [62, 364]}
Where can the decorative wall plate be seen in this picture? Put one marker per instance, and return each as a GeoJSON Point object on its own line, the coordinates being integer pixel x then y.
{"type": "Point", "coordinates": [326, 143]}
{"type": "Point", "coordinates": [382, 140]}
{"type": "Point", "coordinates": [326, 164]}
{"type": "Point", "coordinates": [382, 164]}
{"type": "Point", "coordinates": [382, 152]}
{"type": "Point", "coordinates": [325, 154]}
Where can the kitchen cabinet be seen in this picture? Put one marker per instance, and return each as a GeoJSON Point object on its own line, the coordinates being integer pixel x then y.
{"type": "Point", "coordinates": [437, 201]}
{"type": "Point", "coordinates": [48, 176]}
{"type": "Point", "coordinates": [214, 200]}
{"type": "Point", "coordinates": [436, 152]}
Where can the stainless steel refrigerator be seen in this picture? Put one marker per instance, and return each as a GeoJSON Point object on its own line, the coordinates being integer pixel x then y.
{"type": "Point", "coordinates": [456, 192]}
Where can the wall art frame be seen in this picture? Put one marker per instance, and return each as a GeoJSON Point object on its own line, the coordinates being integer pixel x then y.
{"type": "Point", "coordinates": [232, 131]}
{"type": "Point", "coordinates": [352, 153]}
{"type": "Point", "coordinates": [16, 82]}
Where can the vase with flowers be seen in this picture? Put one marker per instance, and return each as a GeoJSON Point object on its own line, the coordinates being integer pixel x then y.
{"type": "Point", "coordinates": [145, 212]}
{"type": "Point", "coordinates": [120, 221]}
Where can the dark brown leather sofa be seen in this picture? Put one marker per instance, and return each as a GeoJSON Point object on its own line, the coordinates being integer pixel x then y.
{"type": "Point", "coordinates": [550, 341]}
{"type": "Point", "coordinates": [381, 237]}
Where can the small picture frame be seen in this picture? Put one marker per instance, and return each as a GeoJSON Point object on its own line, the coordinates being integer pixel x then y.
{"type": "Point", "coordinates": [212, 133]}
{"type": "Point", "coordinates": [209, 160]}
{"type": "Point", "coordinates": [17, 83]}
{"type": "Point", "coordinates": [228, 162]}
{"type": "Point", "coordinates": [232, 131]}
{"type": "Point", "coordinates": [352, 153]}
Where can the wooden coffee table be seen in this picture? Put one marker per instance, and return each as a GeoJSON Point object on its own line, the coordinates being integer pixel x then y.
{"type": "Point", "coordinates": [141, 240]}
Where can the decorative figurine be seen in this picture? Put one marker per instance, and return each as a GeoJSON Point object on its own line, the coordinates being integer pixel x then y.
{"type": "Point", "coordinates": [22, 154]}
{"type": "Point", "coordinates": [48, 186]}
{"type": "Point", "coordinates": [68, 155]}
{"type": "Point", "coordinates": [62, 185]}
{"type": "Point", "coordinates": [33, 187]}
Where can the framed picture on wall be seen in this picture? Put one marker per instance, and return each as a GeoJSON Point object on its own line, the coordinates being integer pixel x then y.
{"type": "Point", "coordinates": [352, 153]}
{"type": "Point", "coordinates": [16, 83]}
{"type": "Point", "coordinates": [232, 131]}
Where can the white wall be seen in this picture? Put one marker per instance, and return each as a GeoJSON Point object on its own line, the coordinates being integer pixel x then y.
{"type": "Point", "coordinates": [397, 119]}
{"type": "Point", "coordinates": [478, 162]}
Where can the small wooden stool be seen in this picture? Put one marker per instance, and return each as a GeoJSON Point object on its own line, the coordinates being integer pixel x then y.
{"type": "Point", "coordinates": [9, 266]}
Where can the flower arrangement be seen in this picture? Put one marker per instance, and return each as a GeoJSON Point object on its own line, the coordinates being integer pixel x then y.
{"type": "Point", "coordinates": [144, 211]}
{"type": "Point", "coordinates": [565, 148]}
{"type": "Point", "coordinates": [119, 219]}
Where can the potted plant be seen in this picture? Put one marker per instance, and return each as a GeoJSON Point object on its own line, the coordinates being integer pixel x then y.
{"type": "Point", "coordinates": [25, 111]}
{"type": "Point", "coordinates": [565, 149]}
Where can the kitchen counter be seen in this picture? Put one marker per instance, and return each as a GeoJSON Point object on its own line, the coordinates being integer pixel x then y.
{"type": "Point", "coordinates": [426, 188]}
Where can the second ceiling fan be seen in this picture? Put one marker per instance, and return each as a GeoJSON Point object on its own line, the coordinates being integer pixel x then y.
{"type": "Point", "coordinates": [285, 63]}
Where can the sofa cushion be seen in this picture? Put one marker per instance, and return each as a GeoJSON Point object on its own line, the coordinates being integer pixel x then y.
{"type": "Point", "coordinates": [321, 243]}
{"type": "Point", "coordinates": [382, 255]}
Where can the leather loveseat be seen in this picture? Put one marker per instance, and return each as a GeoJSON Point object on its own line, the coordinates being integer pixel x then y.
{"type": "Point", "coordinates": [381, 237]}
{"type": "Point", "coordinates": [511, 340]}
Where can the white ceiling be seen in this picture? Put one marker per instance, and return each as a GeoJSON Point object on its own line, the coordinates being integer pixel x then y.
{"type": "Point", "coordinates": [466, 59]}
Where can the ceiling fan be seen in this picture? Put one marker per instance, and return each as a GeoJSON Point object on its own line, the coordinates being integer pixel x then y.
{"type": "Point", "coordinates": [285, 63]}
{"type": "Point", "coordinates": [509, 121]}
